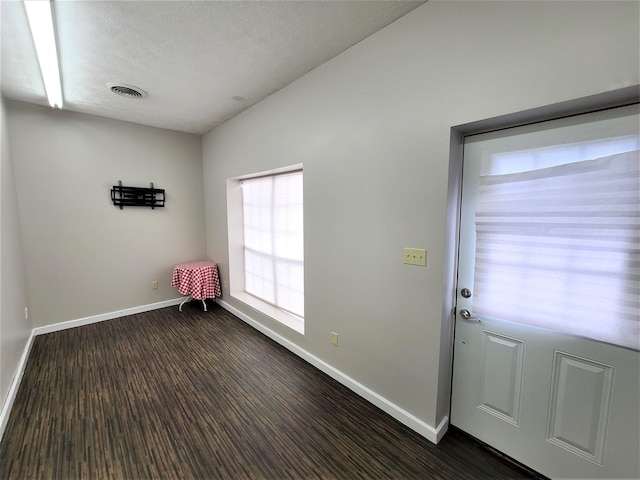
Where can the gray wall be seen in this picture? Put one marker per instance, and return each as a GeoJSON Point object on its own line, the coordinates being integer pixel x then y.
{"type": "Point", "coordinates": [14, 328]}
{"type": "Point", "coordinates": [84, 256]}
{"type": "Point", "coordinates": [372, 127]}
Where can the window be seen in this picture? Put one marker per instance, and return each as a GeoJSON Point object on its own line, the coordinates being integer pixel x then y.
{"type": "Point", "coordinates": [557, 233]}
{"type": "Point", "coordinates": [267, 244]}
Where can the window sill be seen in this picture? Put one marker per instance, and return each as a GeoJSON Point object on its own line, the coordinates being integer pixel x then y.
{"type": "Point", "coordinates": [292, 321]}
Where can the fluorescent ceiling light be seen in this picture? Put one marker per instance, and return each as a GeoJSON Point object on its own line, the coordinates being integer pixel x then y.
{"type": "Point", "coordinates": [41, 23]}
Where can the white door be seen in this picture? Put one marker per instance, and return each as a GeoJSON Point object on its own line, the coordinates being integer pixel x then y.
{"type": "Point", "coordinates": [550, 264]}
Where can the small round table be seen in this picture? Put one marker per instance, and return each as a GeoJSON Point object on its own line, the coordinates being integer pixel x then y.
{"type": "Point", "coordinates": [198, 280]}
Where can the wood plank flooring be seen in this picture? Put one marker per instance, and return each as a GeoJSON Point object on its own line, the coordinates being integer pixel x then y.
{"type": "Point", "coordinates": [202, 395]}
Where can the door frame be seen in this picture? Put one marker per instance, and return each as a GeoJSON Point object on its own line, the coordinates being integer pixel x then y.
{"type": "Point", "coordinates": [601, 101]}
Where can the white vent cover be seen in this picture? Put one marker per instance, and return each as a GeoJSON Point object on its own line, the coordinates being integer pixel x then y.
{"type": "Point", "coordinates": [124, 90]}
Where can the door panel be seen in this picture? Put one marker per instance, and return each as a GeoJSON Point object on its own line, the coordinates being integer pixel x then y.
{"type": "Point", "coordinates": [579, 408]}
{"type": "Point", "coordinates": [501, 379]}
{"type": "Point", "coordinates": [565, 405]}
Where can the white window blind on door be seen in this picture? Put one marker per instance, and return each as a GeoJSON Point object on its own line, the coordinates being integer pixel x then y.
{"type": "Point", "coordinates": [274, 240]}
{"type": "Point", "coordinates": [557, 246]}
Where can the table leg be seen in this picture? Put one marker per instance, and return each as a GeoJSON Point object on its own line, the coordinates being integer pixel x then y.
{"type": "Point", "coordinates": [205, 305]}
{"type": "Point", "coordinates": [183, 302]}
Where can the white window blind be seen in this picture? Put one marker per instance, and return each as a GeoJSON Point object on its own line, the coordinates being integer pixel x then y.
{"type": "Point", "coordinates": [557, 245]}
{"type": "Point", "coordinates": [274, 241]}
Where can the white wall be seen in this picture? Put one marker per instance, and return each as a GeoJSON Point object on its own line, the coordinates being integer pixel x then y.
{"type": "Point", "coordinates": [84, 256]}
{"type": "Point", "coordinates": [14, 328]}
{"type": "Point", "coordinates": [372, 127]}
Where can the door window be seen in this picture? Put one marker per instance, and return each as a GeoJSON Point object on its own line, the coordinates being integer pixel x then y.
{"type": "Point", "coordinates": [557, 239]}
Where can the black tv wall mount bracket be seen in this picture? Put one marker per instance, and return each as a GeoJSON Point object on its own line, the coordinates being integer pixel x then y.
{"type": "Point", "coordinates": [137, 196]}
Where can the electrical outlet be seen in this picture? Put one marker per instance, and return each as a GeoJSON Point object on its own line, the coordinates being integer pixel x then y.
{"type": "Point", "coordinates": [225, 284]}
{"type": "Point", "coordinates": [26, 313]}
{"type": "Point", "coordinates": [154, 285]}
{"type": "Point", "coordinates": [334, 339]}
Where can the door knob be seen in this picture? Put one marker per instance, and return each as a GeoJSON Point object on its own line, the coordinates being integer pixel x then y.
{"type": "Point", "coordinates": [466, 314]}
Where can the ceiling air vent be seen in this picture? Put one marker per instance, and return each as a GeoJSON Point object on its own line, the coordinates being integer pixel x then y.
{"type": "Point", "coordinates": [126, 90]}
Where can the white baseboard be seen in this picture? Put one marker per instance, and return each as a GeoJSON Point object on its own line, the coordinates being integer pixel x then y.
{"type": "Point", "coordinates": [432, 434]}
{"type": "Point", "coordinates": [15, 383]}
{"type": "Point", "coordinates": [56, 327]}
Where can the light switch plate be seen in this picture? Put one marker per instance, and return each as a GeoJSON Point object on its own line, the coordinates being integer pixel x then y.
{"type": "Point", "coordinates": [415, 256]}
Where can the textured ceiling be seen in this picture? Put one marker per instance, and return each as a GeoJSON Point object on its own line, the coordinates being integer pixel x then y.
{"type": "Point", "coordinates": [200, 62]}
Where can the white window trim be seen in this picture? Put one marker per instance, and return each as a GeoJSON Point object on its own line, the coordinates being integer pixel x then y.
{"type": "Point", "coordinates": [290, 320]}
{"type": "Point", "coordinates": [236, 253]}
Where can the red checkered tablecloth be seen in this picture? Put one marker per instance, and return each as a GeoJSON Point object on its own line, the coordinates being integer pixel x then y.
{"type": "Point", "coordinates": [198, 279]}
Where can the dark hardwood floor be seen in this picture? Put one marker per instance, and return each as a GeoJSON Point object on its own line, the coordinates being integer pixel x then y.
{"type": "Point", "coordinates": [196, 394]}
